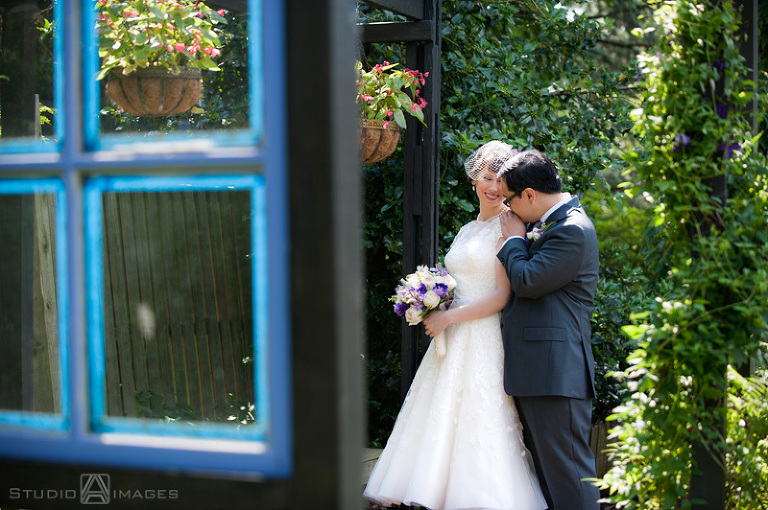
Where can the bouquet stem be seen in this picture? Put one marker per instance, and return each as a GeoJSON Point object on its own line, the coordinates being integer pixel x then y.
{"type": "Point", "coordinates": [440, 345]}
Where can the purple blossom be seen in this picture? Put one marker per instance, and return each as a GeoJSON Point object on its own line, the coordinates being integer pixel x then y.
{"type": "Point", "coordinates": [441, 290]}
{"type": "Point", "coordinates": [681, 140]}
{"type": "Point", "coordinates": [400, 308]}
{"type": "Point", "coordinates": [422, 289]}
{"type": "Point", "coordinates": [719, 65]}
{"type": "Point", "coordinates": [722, 110]}
{"type": "Point", "coordinates": [728, 149]}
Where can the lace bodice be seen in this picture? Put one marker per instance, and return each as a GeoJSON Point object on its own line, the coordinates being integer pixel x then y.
{"type": "Point", "coordinates": [471, 260]}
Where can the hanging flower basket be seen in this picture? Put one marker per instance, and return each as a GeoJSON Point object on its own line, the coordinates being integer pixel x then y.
{"type": "Point", "coordinates": [155, 91]}
{"type": "Point", "coordinates": [376, 142]}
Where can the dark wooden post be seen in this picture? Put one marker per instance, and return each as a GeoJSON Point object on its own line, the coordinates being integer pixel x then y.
{"type": "Point", "coordinates": [325, 190]}
{"type": "Point", "coordinates": [421, 174]}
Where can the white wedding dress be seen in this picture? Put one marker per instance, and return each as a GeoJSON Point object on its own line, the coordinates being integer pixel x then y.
{"type": "Point", "coordinates": [457, 442]}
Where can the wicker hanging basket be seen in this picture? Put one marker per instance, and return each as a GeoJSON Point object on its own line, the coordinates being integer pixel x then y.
{"type": "Point", "coordinates": [155, 91]}
{"type": "Point", "coordinates": [376, 143]}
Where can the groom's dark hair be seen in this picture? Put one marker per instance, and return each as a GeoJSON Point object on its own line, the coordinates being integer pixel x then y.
{"type": "Point", "coordinates": [531, 169]}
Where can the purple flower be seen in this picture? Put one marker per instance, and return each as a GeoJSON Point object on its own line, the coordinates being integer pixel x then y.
{"type": "Point", "coordinates": [719, 65]}
{"type": "Point", "coordinates": [400, 308]}
{"type": "Point", "coordinates": [681, 140]}
{"type": "Point", "coordinates": [441, 290]}
{"type": "Point", "coordinates": [728, 149]}
{"type": "Point", "coordinates": [722, 110]}
{"type": "Point", "coordinates": [422, 289]}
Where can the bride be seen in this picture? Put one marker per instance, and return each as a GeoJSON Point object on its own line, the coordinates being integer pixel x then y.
{"type": "Point", "coordinates": [457, 442]}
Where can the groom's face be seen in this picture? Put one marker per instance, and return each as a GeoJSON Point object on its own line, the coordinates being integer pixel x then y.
{"type": "Point", "coordinates": [521, 202]}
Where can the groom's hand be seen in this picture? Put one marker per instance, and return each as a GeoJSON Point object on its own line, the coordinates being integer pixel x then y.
{"type": "Point", "coordinates": [512, 225]}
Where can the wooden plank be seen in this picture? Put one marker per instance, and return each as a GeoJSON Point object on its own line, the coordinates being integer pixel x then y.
{"type": "Point", "coordinates": [223, 376]}
{"type": "Point", "coordinates": [144, 308]}
{"type": "Point", "coordinates": [47, 385]}
{"type": "Point", "coordinates": [409, 8]}
{"type": "Point", "coordinates": [199, 291]}
{"type": "Point", "coordinates": [240, 278]}
{"type": "Point", "coordinates": [113, 393]}
{"type": "Point", "coordinates": [155, 216]}
{"type": "Point", "coordinates": [222, 249]}
{"type": "Point", "coordinates": [396, 31]}
{"type": "Point", "coordinates": [132, 273]}
{"type": "Point", "coordinates": [182, 312]}
{"type": "Point", "coordinates": [120, 375]}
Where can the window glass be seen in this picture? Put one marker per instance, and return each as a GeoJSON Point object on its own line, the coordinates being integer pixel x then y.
{"type": "Point", "coordinates": [30, 357]}
{"type": "Point", "coordinates": [178, 68]}
{"type": "Point", "coordinates": [28, 110]}
{"type": "Point", "coordinates": [176, 326]}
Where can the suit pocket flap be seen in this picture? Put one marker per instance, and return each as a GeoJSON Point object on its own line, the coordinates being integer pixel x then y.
{"type": "Point", "coordinates": [544, 334]}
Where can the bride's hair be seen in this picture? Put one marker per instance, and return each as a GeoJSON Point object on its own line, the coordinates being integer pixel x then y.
{"type": "Point", "coordinates": [490, 156]}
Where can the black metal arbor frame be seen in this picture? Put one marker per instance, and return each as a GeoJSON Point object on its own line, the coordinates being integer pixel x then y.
{"type": "Point", "coordinates": [421, 171]}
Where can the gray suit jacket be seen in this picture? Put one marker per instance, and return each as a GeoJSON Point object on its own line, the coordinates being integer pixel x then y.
{"type": "Point", "coordinates": [545, 324]}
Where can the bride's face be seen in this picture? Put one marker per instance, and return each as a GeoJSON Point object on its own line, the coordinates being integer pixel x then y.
{"type": "Point", "coordinates": [488, 189]}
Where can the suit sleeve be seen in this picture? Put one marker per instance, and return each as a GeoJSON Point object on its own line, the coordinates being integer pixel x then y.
{"type": "Point", "coordinates": [552, 266]}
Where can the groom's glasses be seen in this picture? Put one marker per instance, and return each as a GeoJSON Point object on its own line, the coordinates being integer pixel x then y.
{"type": "Point", "coordinates": [512, 197]}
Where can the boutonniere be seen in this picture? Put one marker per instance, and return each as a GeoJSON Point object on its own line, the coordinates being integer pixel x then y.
{"type": "Point", "coordinates": [536, 232]}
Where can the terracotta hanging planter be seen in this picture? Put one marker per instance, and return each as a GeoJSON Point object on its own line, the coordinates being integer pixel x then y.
{"type": "Point", "coordinates": [155, 91]}
{"type": "Point", "coordinates": [377, 143]}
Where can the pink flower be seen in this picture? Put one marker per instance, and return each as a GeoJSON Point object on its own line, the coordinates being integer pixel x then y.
{"type": "Point", "coordinates": [179, 46]}
{"type": "Point", "coordinates": [170, 47]}
{"type": "Point", "coordinates": [389, 113]}
{"type": "Point", "coordinates": [366, 97]}
{"type": "Point", "coordinates": [210, 50]}
{"type": "Point", "coordinates": [193, 49]}
{"type": "Point", "coordinates": [385, 124]}
{"type": "Point", "coordinates": [201, 15]}
{"type": "Point", "coordinates": [130, 12]}
{"type": "Point", "coordinates": [221, 12]}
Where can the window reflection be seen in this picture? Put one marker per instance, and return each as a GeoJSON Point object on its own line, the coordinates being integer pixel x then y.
{"type": "Point", "coordinates": [178, 329]}
{"type": "Point", "coordinates": [205, 50]}
{"type": "Point", "coordinates": [26, 69]}
{"type": "Point", "coordinates": [30, 372]}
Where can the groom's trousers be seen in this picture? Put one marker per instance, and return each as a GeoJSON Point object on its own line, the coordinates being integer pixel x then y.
{"type": "Point", "coordinates": [556, 432]}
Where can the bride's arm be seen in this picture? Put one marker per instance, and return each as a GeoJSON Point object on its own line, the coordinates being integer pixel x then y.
{"type": "Point", "coordinates": [493, 302]}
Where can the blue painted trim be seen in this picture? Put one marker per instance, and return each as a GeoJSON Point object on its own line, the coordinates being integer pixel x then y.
{"type": "Point", "coordinates": [91, 87]}
{"type": "Point", "coordinates": [60, 110]}
{"type": "Point", "coordinates": [278, 253]}
{"type": "Point", "coordinates": [95, 296]}
{"type": "Point", "coordinates": [94, 188]}
{"type": "Point", "coordinates": [31, 419]}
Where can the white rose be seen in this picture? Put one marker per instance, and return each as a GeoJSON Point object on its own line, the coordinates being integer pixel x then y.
{"type": "Point", "coordinates": [429, 280]}
{"type": "Point", "coordinates": [449, 281]}
{"type": "Point", "coordinates": [431, 299]}
{"type": "Point", "coordinates": [412, 316]}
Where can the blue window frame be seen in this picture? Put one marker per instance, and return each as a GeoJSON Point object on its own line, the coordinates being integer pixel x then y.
{"type": "Point", "coordinates": [88, 167]}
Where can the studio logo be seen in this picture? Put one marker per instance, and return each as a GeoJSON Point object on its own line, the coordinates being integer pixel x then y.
{"type": "Point", "coordinates": [94, 489]}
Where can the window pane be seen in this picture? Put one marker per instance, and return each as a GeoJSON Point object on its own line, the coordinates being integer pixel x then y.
{"type": "Point", "coordinates": [30, 372]}
{"type": "Point", "coordinates": [178, 306]}
{"type": "Point", "coordinates": [207, 50]}
{"type": "Point", "coordinates": [27, 71]}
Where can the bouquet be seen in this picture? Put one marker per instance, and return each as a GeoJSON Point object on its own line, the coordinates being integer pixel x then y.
{"type": "Point", "coordinates": [421, 292]}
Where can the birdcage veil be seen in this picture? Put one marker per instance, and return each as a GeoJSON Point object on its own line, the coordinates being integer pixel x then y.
{"type": "Point", "coordinates": [490, 156]}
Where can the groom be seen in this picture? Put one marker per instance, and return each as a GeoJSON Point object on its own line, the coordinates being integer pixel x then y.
{"type": "Point", "coordinates": [548, 366]}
